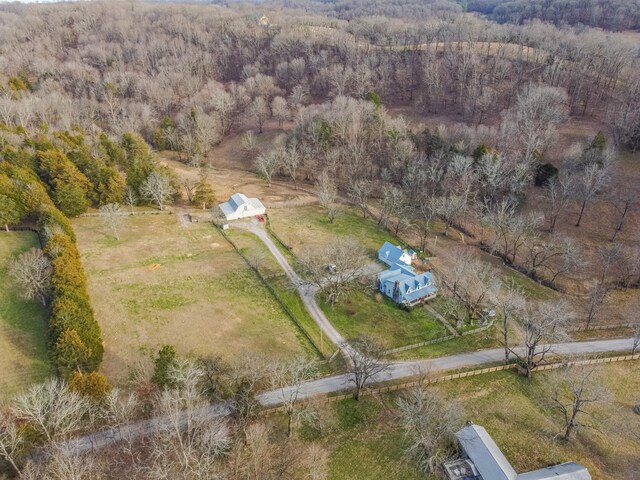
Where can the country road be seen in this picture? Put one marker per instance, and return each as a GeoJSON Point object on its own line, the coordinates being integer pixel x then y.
{"type": "Point", "coordinates": [339, 383]}
{"type": "Point", "coordinates": [407, 369]}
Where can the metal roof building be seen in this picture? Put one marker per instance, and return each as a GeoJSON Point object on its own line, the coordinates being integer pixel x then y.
{"type": "Point", "coordinates": [487, 462]}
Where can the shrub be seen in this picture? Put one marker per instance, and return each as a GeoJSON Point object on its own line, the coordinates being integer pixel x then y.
{"type": "Point", "coordinates": [544, 173]}
{"type": "Point", "coordinates": [93, 385]}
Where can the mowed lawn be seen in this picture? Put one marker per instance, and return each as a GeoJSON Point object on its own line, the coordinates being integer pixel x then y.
{"type": "Point", "coordinates": [362, 312]}
{"type": "Point", "coordinates": [23, 336]}
{"type": "Point", "coordinates": [164, 283]}
{"type": "Point", "coordinates": [308, 227]}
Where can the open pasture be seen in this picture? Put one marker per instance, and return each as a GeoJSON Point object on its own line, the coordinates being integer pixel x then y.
{"type": "Point", "coordinates": [169, 283]}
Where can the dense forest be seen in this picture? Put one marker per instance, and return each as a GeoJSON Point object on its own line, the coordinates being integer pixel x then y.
{"type": "Point", "coordinates": [606, 14]}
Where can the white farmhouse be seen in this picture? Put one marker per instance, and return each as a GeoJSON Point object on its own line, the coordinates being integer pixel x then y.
{"type": "Point", "coordinates": [239, 206]}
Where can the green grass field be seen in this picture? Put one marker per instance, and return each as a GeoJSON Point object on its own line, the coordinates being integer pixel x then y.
{"type": "Point", "coordinates": [303, 227]}
{"type": "Point", "coordinates": [163, 283]}
{"type": "Point", "coordinates": [23, 347]}
{"type": "Point", "coordinates": [360, 312]}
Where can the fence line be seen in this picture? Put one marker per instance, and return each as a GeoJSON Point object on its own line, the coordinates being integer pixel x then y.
{"type": "Point", "coordinates": [438, 340]}
{"type": "Point", "coordinates": [455, 376]}
{"type": "Point", "coordinates": [129, 213]}
{"type": "Point", "coordinates": [601, 327]}
{"type": "Point", "coordinates": [275, 295]}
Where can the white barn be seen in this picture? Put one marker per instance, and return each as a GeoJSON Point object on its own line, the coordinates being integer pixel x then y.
{"type": "Point", "coordinates": [239, 206]}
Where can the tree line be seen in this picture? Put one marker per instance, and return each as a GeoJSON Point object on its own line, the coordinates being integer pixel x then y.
{"type": "Point", "coordinates": [607, 14]}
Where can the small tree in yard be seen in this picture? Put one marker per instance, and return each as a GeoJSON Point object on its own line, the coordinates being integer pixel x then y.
{"type": "Point", "coordinates": [543, 325]}
{"type": "Point", "coordinates": [366, 356]}
{"type": "Point", "coordinates": [112, 217]}
{"type": "Point", "coordinates": [429, 421]}
{"type": "Point", "coordinates": [510, 305]}
{"type": "Point", "coordinates": [157, 189]}
{"type": "Point", "coordinates": [334, 267]}
{"type": "Point", "coordinates": [577, 388]}
{"type": "Point", "coordinates": [32, 271]}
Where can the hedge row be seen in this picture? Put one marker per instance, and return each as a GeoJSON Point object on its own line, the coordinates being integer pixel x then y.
{"type": "Point", "coordinates": [75, 340]}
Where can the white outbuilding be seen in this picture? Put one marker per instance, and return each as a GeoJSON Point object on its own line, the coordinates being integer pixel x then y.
{"type": "Point", "coordinates": [239, 206]}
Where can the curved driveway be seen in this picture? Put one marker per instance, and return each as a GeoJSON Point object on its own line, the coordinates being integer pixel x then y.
{"type": "Point", "coordinates": [307, 292]}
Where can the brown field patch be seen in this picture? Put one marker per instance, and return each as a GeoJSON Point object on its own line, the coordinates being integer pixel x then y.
{"type": "Point", "coordinates": [202, 299]}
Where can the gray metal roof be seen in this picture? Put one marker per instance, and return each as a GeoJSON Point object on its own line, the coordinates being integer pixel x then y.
{"type": "Point", "coordinates": [485, 454]}
{"type": "Point", "coordinates": [563, 471]}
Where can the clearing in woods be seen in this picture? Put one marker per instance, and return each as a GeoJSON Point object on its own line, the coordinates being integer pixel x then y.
{"type": "Point", "coordinates": [184, 285]}
{"type": "Point", "coordinates": [23, 337]}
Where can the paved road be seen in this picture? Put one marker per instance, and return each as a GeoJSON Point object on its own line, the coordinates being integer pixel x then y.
{"type": "Point", "coordinates": [307, 291]}
{"type": "Point", "coordinates": [407, 369]}
{"type": "Point", "coordinates": [338, 383]}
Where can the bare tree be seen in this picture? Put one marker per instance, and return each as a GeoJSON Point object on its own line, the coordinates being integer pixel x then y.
{"type": "Point", "coordinates": [578, 387]}
{"type": "Point", "coordinates": [157, 189]}
{"type": "Point", "coordinates": [544, 325]}
{"type": "Point", "coordinates": [326, 190]}
{"type": "Point", "coordinates": [287, 378]}
{"type": "Point", "coordinates": [359, 192]}
{"type": "Point", "coordinates": [557, 195]}
{"type": "Point", "coordinates": [189, 185]}
{"type": "Point", "coordinates": [471, 281]}
{"type": "Point", "coordinates": [267, 164]}
{"type": "Point", "coordinates": [263, 459]}
{"type": "Point", "coordinates": [111, 214]}
{"type": "Point", "coordinates": [290, 161]}
{"type": "Point", "coordinates": [249, 144]}
{"type": "Point", "coordinates": [192, 437]}
{"type": "Point", "coordinates": [11, 442]}
{"type": "Point", "coordinates": [556, 255]}
{"type": "Point", "coordinates": [366, 356]}
{"type": "Point", "coordinates": [258, 111]}
{"type": "Point", "coordinates": [591, 181]}
{"type": "Point", "coordinates": [130, 197]}
{"type": "Point", "coordinates": [625, 200]}
{"type": "Point", "coordinates": [532, 121]}
{"type": "Point", "coordinates": [32, 271]}
{"type": "Point", "coordinates": [51, 409]}
{"type": "Point", "coordinates": [429, 421]}
{"type": "Point", "coordinates": [280, 110]}
{"type": "Point", "coordinates": [510, 304]}
{"type": "Point", "coordinates": [595, 302]}
{"type": "Point", "coordinates": [450, 209]}
{"type": "Point", "coordinates": [334, 267]}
